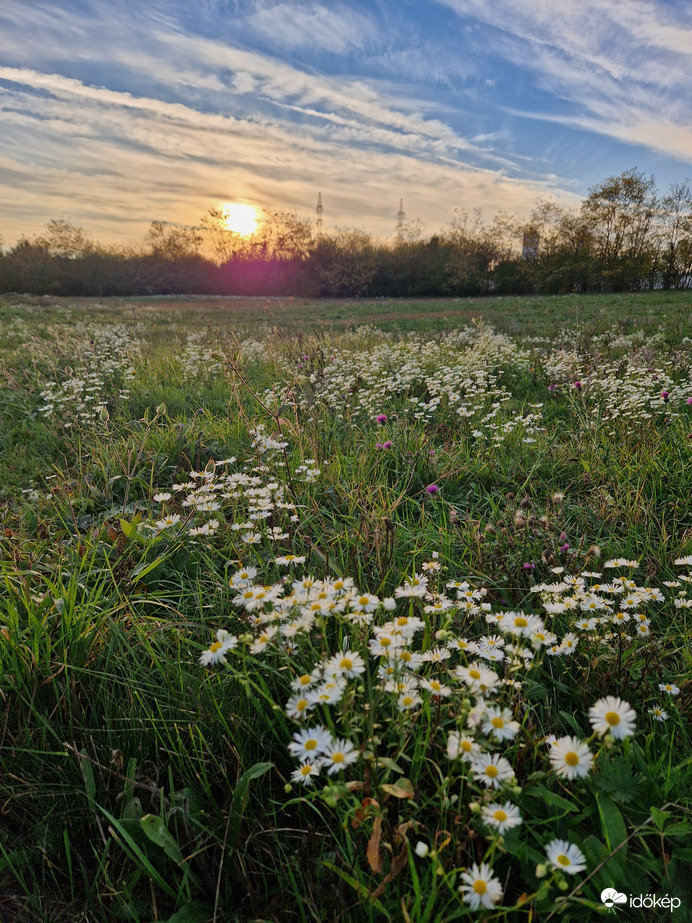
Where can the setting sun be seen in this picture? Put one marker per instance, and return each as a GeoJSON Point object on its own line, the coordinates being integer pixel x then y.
{"type": "Point", "coordinates": [242, 219]}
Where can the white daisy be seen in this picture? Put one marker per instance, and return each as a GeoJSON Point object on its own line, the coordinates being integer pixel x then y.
{"type": "Point", "coordinates": [501, 816]}
{"type": "Point", "coordinates": [306, 772]}
{"type": "Point", "coordinates": [612, 715]}
{"type": "Point", "coordinates": [338, 755]}
{"type": "Point", "coordinates": [491, 769]}
{"type": "Point", "coordinates": [480, 888]}
{"type": "Point", "coordinates": [571, 758]}
{"type": "Point", "coordinates": [500, 724]}
{"type": "Point", "coordinates": [218, 649]}
{"type": "Point", "coordinates": [565, 856]}
{"type": "Point", "coordinates": [310, 742]}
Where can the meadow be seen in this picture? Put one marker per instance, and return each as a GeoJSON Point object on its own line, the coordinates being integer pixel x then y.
{"type": "Point", "coordinates": [345, 611]}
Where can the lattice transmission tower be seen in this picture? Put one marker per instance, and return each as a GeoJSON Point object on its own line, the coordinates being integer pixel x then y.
{"type": "Point", "coordinates": [400, 219]}
{"type": "Point", "coordinates": [319, 210]}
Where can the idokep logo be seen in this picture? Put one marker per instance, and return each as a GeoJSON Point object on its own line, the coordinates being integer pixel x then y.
{"type": "Point", "coordinates": [610, 897]}
{"type": "Point", "coordinates": [613, 899]}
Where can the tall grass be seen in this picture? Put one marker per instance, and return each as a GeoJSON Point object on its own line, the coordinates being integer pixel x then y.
{"type": "Point", "coordinates": [138, 784]}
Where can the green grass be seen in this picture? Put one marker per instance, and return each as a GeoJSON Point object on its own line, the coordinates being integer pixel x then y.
{"type": "Point", "coordinates": [138, 785]}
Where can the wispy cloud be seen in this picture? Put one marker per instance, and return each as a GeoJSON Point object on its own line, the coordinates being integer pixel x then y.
{"type": "Point", "coordinates": [166, 109]}
{"type": "Point", "coordinates": [133, 159]}
{"type": "Point", "coordinates": [621, 70]}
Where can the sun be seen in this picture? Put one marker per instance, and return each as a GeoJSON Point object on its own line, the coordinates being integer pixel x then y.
{"type": "Point", "coordinates": [241, 219]}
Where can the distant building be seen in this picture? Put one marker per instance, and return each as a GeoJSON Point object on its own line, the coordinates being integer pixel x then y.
{"type": "Point", "coordinates": [532, 239]}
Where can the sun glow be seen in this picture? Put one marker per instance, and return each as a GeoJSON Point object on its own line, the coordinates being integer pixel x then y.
{"type": "Point", "coordinates": [241, 219]}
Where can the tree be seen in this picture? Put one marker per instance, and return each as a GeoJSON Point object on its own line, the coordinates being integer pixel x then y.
{"type": "Point", "coordinates": [675, 230]}
{"type": "Point", "coordinates": [220, 241]}
{"type": "Point", "coordinates": [620, 213]}
{"type": "Point", "coordinates": [66, 240]}
{"type": "Point", "coordinates": [344, 262]}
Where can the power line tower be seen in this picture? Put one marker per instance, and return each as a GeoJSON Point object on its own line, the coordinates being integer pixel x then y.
{"type": "Point", "coordinates": [319, 210]}
{"type": "Point", "coordinates": [400, 218]}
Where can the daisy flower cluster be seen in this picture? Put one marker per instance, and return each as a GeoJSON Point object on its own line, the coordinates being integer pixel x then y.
{"type": "Point", "coordinates": [250, 502]}
{"type": "Point", "coordinates": [626, 387]}
{"type": "Point", "coordinates": [103, 365]}
{"type": "Point", "coordinates": [198, 359]}
{"type": "Point", "coordinates": [459, 371]}
{"type": "Point", "coordinates": [396, 658]}
{"type": "Point", "coordinates": [604, 610]}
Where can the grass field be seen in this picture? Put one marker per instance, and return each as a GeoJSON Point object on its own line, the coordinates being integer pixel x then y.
{"type": "Point", "coordinates": [345, 611]}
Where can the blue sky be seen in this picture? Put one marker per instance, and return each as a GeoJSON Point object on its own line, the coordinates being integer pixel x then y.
{"type": "Point", "coordinates": [115, 113]}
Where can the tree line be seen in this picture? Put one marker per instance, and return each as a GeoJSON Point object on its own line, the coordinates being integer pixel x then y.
{"type": "Point", "coordinates": [625, 235]}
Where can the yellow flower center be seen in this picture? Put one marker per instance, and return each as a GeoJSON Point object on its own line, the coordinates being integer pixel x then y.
{"type": "Point", "coordinates": [563, 859]}
{"type": "Point", "coordinates": [363, 601]}
{"type": "Point", "coordinates": [497, 723]}
{"type": "Point", "coordinates": [346, 663]}
{"type": "Point", "coordinates": [480, 887]}
{"type": "Point", "coordinates": [215, 646]}
{"type": "Point", "coordinates": [304, 680]}
{"type": "Point", "coordinates": [310, 744]}
{"type": "Point", "coordinates": [301, 704]}
{"type": "Point", "coordinates": [385, 642]}
{"type": "Point", "coordinates": [407, 700]}
{"type": "Point", "coordinates": [474, 674]}
{"type": "Point", "coordinates": [612, 718]}
{"type": "Point", "coordinates": [401, 621]}
{"type": "Point", "coordinates": [491, 771]}
{"type": "Point", "coordinates": [571, 758]}
{"type": "Point", "coordinates": [306, 770]}
{"type": "Point", "coordinates": [466, 746]}
{"type": "Point", "coordinates": [500, 815]}
{"type": "Point", "coordinates": [337, 757]}
{"type": "Point", "coordinates": [520, 622]}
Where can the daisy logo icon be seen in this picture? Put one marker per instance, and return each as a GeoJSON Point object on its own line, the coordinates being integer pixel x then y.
{"type": "Point", "coordinates": [610, 897]}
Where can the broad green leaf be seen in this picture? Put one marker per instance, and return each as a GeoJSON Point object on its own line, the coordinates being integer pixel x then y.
{"type": "Point", "coordinates": [388, 763]}
{"type": "Point", "coordinates": [659, 817]}
{"type": "Point", "coordinates": [155, 829]}
{"type": "Point", "coordinates": [143, 569]}
{"type": "Point", "coordinates": [557, 801]}
{"type": "Point", "coordinates": [194, 912]}
{"type": "Point", "coordinates": [119, 833]}
{"type": "Point", "coordinates": [612, 825]}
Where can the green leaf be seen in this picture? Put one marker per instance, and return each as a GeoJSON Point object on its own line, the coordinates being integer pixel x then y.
{"type": "Point", "coordinates": [612, 825]}
{"type": "Point", "coordinates": [557, 801]}
{"type": "Point", "coordinates": [681, 829]}
{"type": "Point", "coordinates": [388, 763]}
{"type": "Point", "coordinates": [155, 829]}
{"type": "Point", "coordinates": [194, 912]}
{"type": "Point", "coordinates": [357, 886]}
{"type": "Point", "coordinates": [240, 796]}
{"type": "Point", "coordinates": [659, 817]}
{"type": "Point", "coordinates": [143, 569]}
{"type": "Point", "coordinates": [616, 778]}
{"type": "Point", "coordinates": [126, 841]}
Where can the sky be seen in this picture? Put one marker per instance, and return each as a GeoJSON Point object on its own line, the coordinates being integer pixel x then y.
{"type": "Point", "coordinates": [117, 113]}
